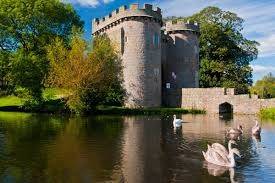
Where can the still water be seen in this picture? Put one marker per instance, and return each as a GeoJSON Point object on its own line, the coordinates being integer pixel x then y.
{"type": "Point", "coordinates": [44, 148]}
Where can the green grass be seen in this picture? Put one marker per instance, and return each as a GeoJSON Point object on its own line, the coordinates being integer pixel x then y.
{"type": "Point", "coordinates": [9, 101]}
{"type": "Point", "coordinates": [54, 104]}
{"type": "Point", "coordinates": [268, 113]}
{"type": "Point", "coordinates": [55, 93]}
{"type": "Point", "coordinates": [144, 111]}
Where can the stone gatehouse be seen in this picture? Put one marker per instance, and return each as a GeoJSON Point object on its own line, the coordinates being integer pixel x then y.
{"type": "Point", "coordinates": [221, 100]}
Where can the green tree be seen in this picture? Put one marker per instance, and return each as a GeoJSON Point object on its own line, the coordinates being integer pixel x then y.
{"type": "Point", "coordinates": [4, 69]}
{"type": "Point", "coordinates": [225, 53]}
{"type": "Point", "coordinates": [26, 28]}
{"type": "Point", "coordinates": [92, 78]}
{"type": "Point", "coordinates": [265, 87]}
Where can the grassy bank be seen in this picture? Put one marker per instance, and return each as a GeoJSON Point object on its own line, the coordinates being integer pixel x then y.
{"type": "Point", "coordinates": [56, 105]}
{"type": "Point", "coordinates": [268, 113]}
{"type": "Point", "coordinates": [144, 111]}
{"type": "Point", "coordinates": [11, 101]}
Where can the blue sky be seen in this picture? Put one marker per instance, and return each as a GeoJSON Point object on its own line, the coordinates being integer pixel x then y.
{"type": "Point", "coordinates": [259, 16]}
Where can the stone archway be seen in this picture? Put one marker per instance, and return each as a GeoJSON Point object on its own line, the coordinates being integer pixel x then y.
{"type": "Point", "coordinates": [225, 108]}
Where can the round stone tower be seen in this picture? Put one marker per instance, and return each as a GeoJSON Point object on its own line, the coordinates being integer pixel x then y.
{"type": "Point", "coordinates": [135, 33]}
{"type": "Point", "coordinates": [181, 69]}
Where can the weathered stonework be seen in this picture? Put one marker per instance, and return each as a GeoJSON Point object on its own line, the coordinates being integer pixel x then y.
{"type": "Point", "coordinates": [213, 100]}
{"type": "Point", "coordinates": [181, 66]}
{"type": "Point", "coordinates": [149, 55]}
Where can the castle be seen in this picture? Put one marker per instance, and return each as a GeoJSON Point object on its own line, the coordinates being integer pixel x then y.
{"type": "Point", "coordinates": [156, 58]}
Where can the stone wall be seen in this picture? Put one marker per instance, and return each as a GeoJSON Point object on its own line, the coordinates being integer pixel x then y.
{"type": "Point", "coordinates": [213, 99]}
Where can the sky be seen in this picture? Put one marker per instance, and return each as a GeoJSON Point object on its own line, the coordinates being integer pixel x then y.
{"type": "Point", "coordinates": [259, 17]}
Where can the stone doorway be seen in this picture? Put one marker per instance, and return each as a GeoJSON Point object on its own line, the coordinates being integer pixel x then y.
{"type": "Point", "coordinates": [226, 108]}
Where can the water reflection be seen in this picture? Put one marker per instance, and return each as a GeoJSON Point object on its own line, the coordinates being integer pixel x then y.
{"type": "Point", "coordinates": [142, 149]}
{"type": "Point", "coordinates": [216, 170]}
{"type": "Point", "coordinates": [43, 148]}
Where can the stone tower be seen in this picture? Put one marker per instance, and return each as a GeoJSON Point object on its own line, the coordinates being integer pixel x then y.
{"type": "Point", "coordinates": [181, 60]}
{"type": "Point", "coordinates": [136, 34]}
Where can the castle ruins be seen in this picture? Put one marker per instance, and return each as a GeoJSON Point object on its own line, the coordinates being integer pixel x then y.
{"type": "Point", "coordinates": [161, 63]}
{"type": "Point", "coordinates": [155, 57]}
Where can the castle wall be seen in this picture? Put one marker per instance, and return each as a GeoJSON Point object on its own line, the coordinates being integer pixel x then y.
{"type": "Point", "coordinates": [182, 67]}
{"type": "Point", "coordinates": [183, 57]}
{"type": "Point", "coordinates": [136, 35]}
{"type": "Point", "coordinates": [210, 99]}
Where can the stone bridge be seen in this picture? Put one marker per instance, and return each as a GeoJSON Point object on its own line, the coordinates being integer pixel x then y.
{"type": "Point", "coordinates": [218, 100]}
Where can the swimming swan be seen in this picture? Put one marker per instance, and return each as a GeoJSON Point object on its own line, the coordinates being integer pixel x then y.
{"type": "Point", "coordinates": [218, 157]}
{"type": "Point", "coordinates": [222, 149]}
{"type": "Point", "coordinates": [177, 122]}
{"type": "Point", "coordinates": [256, 130]}
{"type": "Point", "coordinates": [238, 130]}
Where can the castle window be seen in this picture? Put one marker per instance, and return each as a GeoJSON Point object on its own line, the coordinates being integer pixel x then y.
{"type": "Point", "coordinates": [156, 71]}
{"type": "Point", "coordinates": [156, 40]}
{"type": "Point", "coordinates": [122, 46]}
{"type": "Point", "coordinates": [148, 40]}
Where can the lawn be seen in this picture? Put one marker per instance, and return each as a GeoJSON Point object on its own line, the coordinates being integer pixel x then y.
{"type": "Point", "coordinates": [53, 102]}
{"type": "Point", "coordinates": [11, 101]}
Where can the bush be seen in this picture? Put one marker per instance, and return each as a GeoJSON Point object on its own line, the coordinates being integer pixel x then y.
{"type": "Point", "coordinates": [92, 78]}
{"type": "Point", "coordinates": [268, 113]}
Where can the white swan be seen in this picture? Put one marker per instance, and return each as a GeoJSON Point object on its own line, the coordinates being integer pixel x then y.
{"type": "Point", "coordinates": [256, 130]}
{"type": "Point", "coordinates": [177, 122]}
{"type": "Point", "coordinates": [238, 130]}
{"type": "Point", "coordinates": [218, 157]}
{"type": "Point", "coordinates": [222, 149]}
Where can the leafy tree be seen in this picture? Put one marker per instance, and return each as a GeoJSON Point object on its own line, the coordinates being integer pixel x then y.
{"type": "Point", "coordinates": [26, 28]}
{"type": "Point", "coordinates": [104, 55]}
{"type": "Point", "coordinates": [225, 53]}
{"type": "Point", "coordinates": [89, 76]}
{"type": "Point", "coordinates": [4, 69]}
{"type": "Point", "coordinates": [265, 87]}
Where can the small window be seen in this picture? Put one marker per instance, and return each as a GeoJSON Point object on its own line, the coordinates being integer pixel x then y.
{"type": "Point", "coordinates": [148, 40]}
{"type": "Point", "coordinates": [125, 39]}
{"type": "Point", "coordinates": [174, 76]}
{"type": "Point", "coordinates": [168, 86]}
{"type": "Point", "coordinates": [122, 46]}
{"type": "Point", "coordinates": [156, 40]}
{"type": "Point", "coordinates": [156, 71]}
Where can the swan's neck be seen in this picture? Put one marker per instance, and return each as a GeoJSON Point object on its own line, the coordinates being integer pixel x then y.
{"type": "Point", "coordinates": [232, 159]}
{"type": "Point", "coordinates": [229, 147]}
{"type": "Point", "coordinates": [239, 128]}
{"type": "Point", "coordinates": [232, 175]}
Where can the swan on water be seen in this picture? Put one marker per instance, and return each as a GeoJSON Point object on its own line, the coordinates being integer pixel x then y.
{"type": "Point", "coordinates": [177, 122]}
{"type": "Point", "coordinates": [256, 130]}
{"type": "Point", "coordinates": [238, 130]}
{"type": "Point", "coordinates": [219, 156]}
{"type": "Point", "coordinates": [222, 149]}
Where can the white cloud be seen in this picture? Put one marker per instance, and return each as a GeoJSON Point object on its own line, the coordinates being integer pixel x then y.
{"type": "Point", "coordinates": [91, 3]}
{"type": "Point", "coordinates": [260, 69]}
{"type": "Point", "coordinates": [107, 1]}
{"type": "Point", "coordinates": [267, 47]}
{"type": "Point", "coordinates": [258, 15]}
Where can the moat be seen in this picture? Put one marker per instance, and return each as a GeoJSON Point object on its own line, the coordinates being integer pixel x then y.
{"type": "Point", "coordinates": [46, 148]}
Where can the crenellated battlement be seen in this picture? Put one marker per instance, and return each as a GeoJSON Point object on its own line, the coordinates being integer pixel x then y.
{"type": "Point", "coordinates": [124, 13]}
{"type": "Point", "coordinates": [172, 26]}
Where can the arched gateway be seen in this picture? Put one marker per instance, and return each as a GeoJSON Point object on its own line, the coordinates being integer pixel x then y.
{"type": "Point", "coordinates": [225, 108]}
